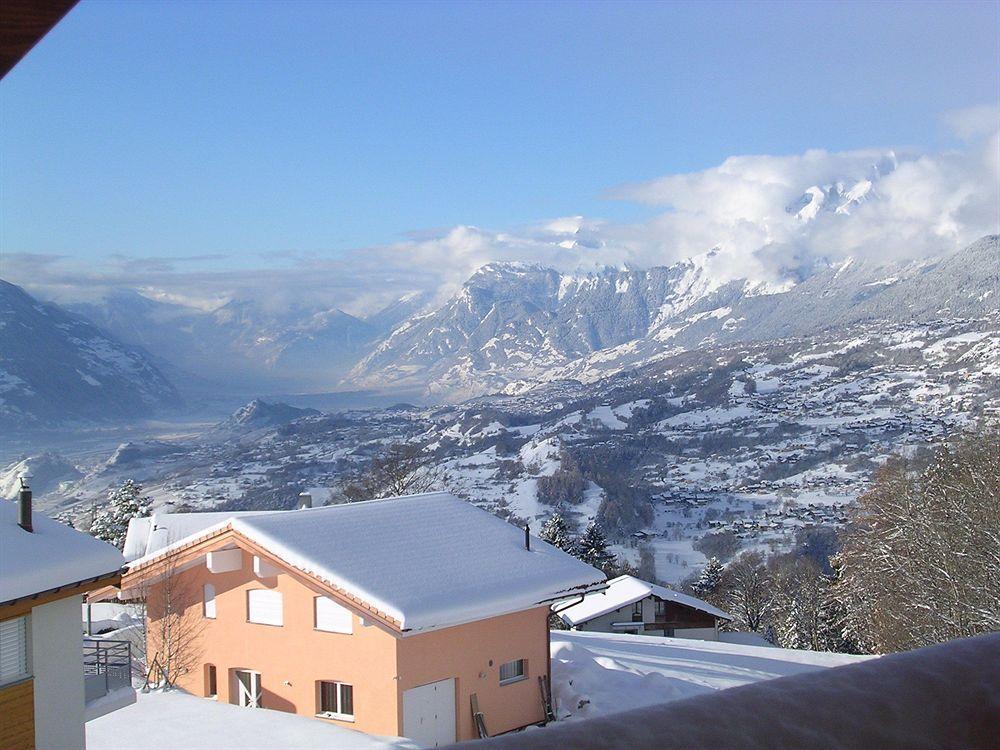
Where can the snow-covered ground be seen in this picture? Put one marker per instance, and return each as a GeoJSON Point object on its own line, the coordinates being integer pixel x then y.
{"type": "Point", "coordinates": [178, 721]}
{"type": "Point", "coordinates": [594, 674]}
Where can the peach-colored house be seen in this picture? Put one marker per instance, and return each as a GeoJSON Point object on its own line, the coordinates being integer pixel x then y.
{"type": "Point", "coordinates": [386, 616]}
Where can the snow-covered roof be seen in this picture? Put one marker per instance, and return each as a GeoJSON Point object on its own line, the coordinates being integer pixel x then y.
{"type": "Point", "coordinates": [152, 533]}
{"type": "Point", "coordinates": [626, 590]}
{"type": "Point", "coordinates": [427, 561]}
{"type": "Point", "coordinates": [50, 556]}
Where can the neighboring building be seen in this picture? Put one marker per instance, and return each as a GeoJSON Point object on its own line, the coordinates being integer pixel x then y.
{"type": "Point", "coordinates": [45, 569]}
{"type": "Point", "coordinates": [389, 616]}
{"type": "Point", "coordinates": [631, 605]}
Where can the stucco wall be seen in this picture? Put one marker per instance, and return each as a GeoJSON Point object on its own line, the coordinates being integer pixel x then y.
{"type": "Point", "coordinates": [57, 665]}
{"type": "Point", "coordinates": [473, 653]}
{"type": "Point", "coordinates": [377, 662]}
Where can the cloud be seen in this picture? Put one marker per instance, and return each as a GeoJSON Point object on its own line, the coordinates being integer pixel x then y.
{"type": "Point", "coordinates": [770, 217]}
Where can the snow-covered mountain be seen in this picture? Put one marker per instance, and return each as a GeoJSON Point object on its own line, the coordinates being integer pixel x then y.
{"type": "Point", "coordinates": [513, 325]}
{"type": "Point", "coordinates": [56, 367]}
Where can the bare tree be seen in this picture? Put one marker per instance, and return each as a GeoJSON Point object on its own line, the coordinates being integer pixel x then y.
{"type": "Point", "coordinates": [401, 469]}
{"type": "Point", "coordinates": [920, 562]}
{"type": "Point", "coordinates": [749, 591]}
{"type": "Point", "coordinates": [800, 594]}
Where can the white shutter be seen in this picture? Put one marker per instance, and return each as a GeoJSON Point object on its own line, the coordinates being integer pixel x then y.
{"type": "Point", "coordinates": [332, 617]}
{"type": "Point", "coordinates": [209, 601]}
{"type": "Point", "coordinates": [264, 607]}
{"type": "Point", "coordinates": [13, 650]}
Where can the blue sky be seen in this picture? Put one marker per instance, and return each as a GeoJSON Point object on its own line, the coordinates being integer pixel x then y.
{"type": "Point", "coordinates": [259, 131]}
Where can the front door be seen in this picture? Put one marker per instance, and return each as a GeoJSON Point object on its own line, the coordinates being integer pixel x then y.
{"type": "Point", "coordinates": [429, 713]}
{"type": "Point", "coordinates": [248, 688]}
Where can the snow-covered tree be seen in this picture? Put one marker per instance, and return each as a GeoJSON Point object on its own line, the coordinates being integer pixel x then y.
{"type": "Point", "coordinates": [556, 533]}
{"type": "Point", "coordinates": [593, 548]}
{"type": "Point", "coordinates": [710, 579]}
{"type": "Point", "coordinates": [125, 503]}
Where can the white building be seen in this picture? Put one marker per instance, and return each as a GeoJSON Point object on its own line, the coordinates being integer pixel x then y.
{"type": "Point", "coordinates": [45, 569]}
{"type": "Point", "coordinates": [631, 605]}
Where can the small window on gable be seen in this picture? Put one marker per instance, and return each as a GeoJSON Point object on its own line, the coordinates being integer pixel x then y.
{"type": "Point", "coordinates": [332, 617]}
{"type": "Point", "coordinates": [14, 650]}
{"type": "Point", "coordinates": [265, 607]}
{"type": "Point", "coordinates": [661, 609]}
{"type": "Point", "coordinates": [336, 700]}
{"type": "Point", "coordinates": [513, 671]}
{"type": "Point", "coordinates": [209, 609]}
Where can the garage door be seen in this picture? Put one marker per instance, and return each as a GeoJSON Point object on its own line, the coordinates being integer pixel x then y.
{"type": "Point", "coordinates": [429, 713]}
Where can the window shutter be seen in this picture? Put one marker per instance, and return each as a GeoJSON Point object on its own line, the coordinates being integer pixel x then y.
{"type": "Point", "coordinates": [264, 607]}
{"type": "Point", "coordinates": [13, 649]}
{"type": "Point", "coordinates": [331, 617]}
{"type": "Point", "coordinates": [210, 601]}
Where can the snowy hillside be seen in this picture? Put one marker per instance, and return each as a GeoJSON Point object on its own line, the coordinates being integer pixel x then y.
{"type": "Point", "coordinates": [57, 368]}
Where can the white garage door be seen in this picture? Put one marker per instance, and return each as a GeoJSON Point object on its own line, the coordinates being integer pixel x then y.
{"type": "Point", "coordinates": [429, 713]}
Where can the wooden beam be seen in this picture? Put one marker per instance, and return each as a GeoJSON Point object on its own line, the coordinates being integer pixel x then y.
{"type": "Point", "coordinates": [23, 23]}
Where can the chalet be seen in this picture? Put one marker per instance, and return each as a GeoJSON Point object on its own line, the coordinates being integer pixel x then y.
{"type": "Point", "coordinates": [631, 605]}
{"type": "Point", "coordinates": [45, 569]}
{"type": "Point", "coordinates": [420, 616]}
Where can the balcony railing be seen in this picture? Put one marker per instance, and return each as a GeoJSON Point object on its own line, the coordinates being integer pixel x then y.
{"type": "Point", "coordinates": [107, 666]}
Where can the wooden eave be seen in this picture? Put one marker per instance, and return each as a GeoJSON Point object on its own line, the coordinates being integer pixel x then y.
{"type": "Point", "coordinates": [162, 564]}
{"type": "Point", "coordinates": [23, 23]}
{"type": "Point", "coordinates": [24, 604]}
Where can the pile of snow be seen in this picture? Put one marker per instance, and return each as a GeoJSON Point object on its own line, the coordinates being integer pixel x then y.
{"type": "Point", "coordinates": [175, 720]}
{"type": "Point", "coordinates": [594, 674]}
{"type": "Point", "coordinates": [937, 697]}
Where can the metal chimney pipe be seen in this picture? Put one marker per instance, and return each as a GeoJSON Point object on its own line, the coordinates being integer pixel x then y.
{"type": "Point", "coordinates": [527, 537]}
{"type": "Point", "coordinates": [24, 505]}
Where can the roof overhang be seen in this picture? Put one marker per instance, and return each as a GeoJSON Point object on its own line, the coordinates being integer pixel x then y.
{"type": "Point", "coordinates": [23, 23]}
{"type": "Point", "coordinates": [24, 604]}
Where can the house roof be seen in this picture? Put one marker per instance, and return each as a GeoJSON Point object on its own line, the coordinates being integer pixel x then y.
{"type": "Point", "coordinates": [427, 561]}
{"type": "Point", "coordinates": [152, 533]}
{"type": "Point", "coordinates": [51, 556]}
{"type": "Point", "coordinates": [626, 590]}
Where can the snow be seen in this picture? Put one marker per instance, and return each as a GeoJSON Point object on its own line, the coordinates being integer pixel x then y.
{"type": "Point", "coordinates": [175, 720]}
{"type": "Point", "coordinates": [153, 533]}
{"type": "Point", "coordinates": [607, 417]}
{"type": "Point", "coordinates": [52, 555]}
{"type": "Point", "coordinates": [626, 590]}
{"type": "Point", "coordinates": [602, 673]}
{"type": "Point", "coordinates": [428, 561]}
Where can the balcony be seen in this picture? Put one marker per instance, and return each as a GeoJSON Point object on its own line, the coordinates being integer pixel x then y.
{"type": "Point", "coordinates": [107, 676]}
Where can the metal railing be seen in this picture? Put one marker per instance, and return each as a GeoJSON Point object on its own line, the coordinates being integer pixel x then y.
{"type": "Point", "coordinates": [107, 666]}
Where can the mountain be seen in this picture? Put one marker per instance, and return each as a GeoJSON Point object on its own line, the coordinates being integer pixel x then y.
{"type": "Point", "coordinates": [259, 413]}
{"type": "Point", "coordinates": [242, 343]}
{"type": "Point", "coordinates": [56, 367]}
{"type": "Point", "coordinates": [513, 325]}
{"type": "Point", "coordinates": [47, 471]}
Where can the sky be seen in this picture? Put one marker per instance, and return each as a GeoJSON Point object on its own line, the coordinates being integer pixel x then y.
{"type": "Point", "coordinates": [353, 151]}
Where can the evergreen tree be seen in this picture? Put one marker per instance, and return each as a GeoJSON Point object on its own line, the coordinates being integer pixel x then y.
{"type": "Point", "coordinates": [556, 533]}
{"type": "Point", "coordinates": [710, 579]}
{"type": "Point", "coordinates": [593, 548]}
{"type": "Point", "coordinates": [125, 503]}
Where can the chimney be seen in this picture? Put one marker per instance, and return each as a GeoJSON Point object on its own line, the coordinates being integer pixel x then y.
{"type": "Point", "coordinates": [527, 537]}
{"type": "Point", "coordinates": [24, 504]}
{"type": "Point", "coordinates": [305, 500]}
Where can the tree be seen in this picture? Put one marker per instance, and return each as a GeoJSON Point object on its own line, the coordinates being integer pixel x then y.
{"type": "Point", "coordinates": [799, 593]}
{"type": "Point", "coordinates": [920, 560]}
{"type": "Point", "coordinates": [749, 591]}
{"type": "Point", "coordinates": [707, 584]}
{"type": "Point", "coordinates": [556, 533]}
{"type": "Point", "coordinates": [401, 469]}
{"type": "Point", "coordinates": [593, 548]}
{"type": "Point", "coordinates": [125, 503]}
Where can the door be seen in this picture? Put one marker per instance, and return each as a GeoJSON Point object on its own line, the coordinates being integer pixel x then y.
{"type": "Point", "coordinates": [248, 688]}
{"type": "Point", "coordinates": [429, 713]}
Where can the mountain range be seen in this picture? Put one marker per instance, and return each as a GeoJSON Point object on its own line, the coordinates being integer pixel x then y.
{"type": "Point", "coordinates": [508, 328]}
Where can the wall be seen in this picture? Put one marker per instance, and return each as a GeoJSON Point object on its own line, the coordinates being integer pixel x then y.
{"type": "Point", "coordinates": [57, 666]}
{"type": "Point", "coordinates": [465, 652]}
{"type": "Point", "coordinates": [687, 622]}
{"type": "Point", "coordinates": [17, 707]}
{"type": "Point", "coordinates": [290, 658]}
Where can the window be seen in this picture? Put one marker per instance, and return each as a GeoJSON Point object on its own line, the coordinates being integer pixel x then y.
{"type": "Point", "coordinates": [513, 671]}
{"type": "Point", "coordinates": [264, 607]}
{"type": "Point", "coordinates": [331, 617]}
{"type": "Point", "coordinates": [209, 608]}
{"type": "Point", "coordinates": [211, 686]}
{"type": "Point", "coordinates": [637, 611]}
{"type": "Point", "coordinates": [336, 700]}
{"type": "Point", "coordinates": [661, 610]}
{"type": "Point", "coordinates": [14, 650]}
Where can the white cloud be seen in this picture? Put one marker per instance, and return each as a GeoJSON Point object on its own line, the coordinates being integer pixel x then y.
{"type": "Point", "coordinates": [918, 204]}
